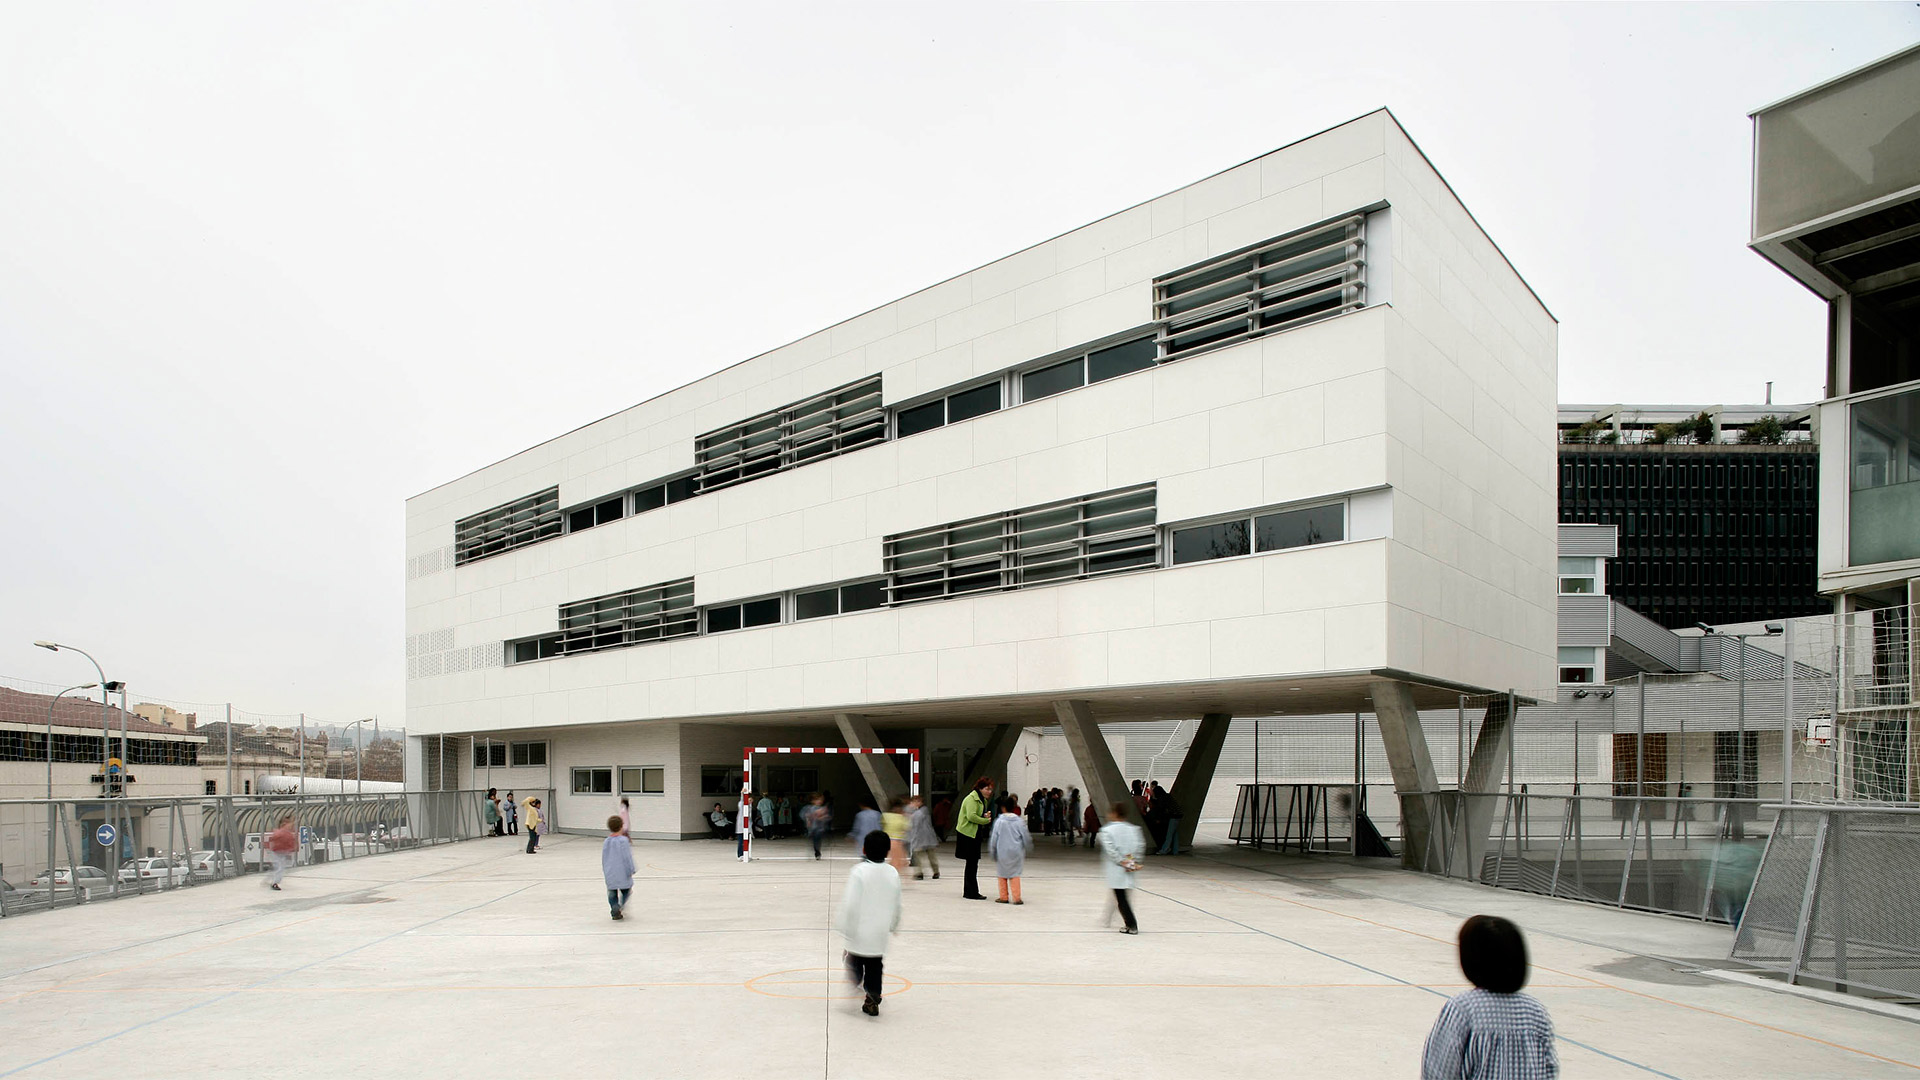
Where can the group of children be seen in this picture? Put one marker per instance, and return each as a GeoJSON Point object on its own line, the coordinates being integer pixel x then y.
{"type": "Point", "coordinates": [503, 818]}
{"type": "Point", "coordinates": [1493, 1030]}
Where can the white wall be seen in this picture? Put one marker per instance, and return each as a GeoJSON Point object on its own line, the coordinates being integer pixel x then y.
{"type": "Point", "coordinates": [1437, 394]}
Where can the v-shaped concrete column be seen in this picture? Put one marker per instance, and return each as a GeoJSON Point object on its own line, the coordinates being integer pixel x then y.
{"type": "Point", "coordinates": [1412, 765]}
{"type": "Point", "coordinates": [1484, 770]}
{"type": "Point", "coordinates": [1190, 784]}
{"type": "Point", "coordinates": [882, 773]}
{"type": "Point", "coordinates": [992, 760]}
{"type": "Point", "coordinates": [1105, 785]}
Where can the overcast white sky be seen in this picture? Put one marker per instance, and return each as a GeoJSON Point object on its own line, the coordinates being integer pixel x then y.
{"type": "Point", "coordinates": [266, 270]}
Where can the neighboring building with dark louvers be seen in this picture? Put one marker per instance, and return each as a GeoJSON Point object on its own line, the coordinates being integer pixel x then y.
{"type": "Point", "coordinates": [1717, 507]}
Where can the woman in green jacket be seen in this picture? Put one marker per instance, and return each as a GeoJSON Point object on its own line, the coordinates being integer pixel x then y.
{"type": "Point", "coordinates": [971, 826]}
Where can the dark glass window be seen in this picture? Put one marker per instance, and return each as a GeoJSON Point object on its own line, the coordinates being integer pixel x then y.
{"type": "Point", "coordinates": [1225, 540]}
{"type": "Point", "coordinates": [921, 418]}
{"type": "Point", "coordinates": [529, 754]}
{"type": "Point", "coordinates": [812, 605]}
{"type": "Point", "coordinates": [593, 781]}
{"type": "Point", "coordinates": [610, 510]}
{"type": "Point", "coordinates": [864, 595]}
{"type": "Point", "coordinates": [760, 612]}
{"type": "Point", "coordinates": [1120, 359]}
{"type": "Point", "coordinates": [1048, 381]}
{"type": "Point", "coordinates": [580, 519]}
{"type": "Point", "coordinates": [652, 498]}
{"type": "Point", "coordinates": [681, 489]}
{"type": "Point", "coordinates": [978, 401]}
{"type": "Point", "coordinates": [1297, 528]}
{"type": "Point", "coordinates": [737, 616]}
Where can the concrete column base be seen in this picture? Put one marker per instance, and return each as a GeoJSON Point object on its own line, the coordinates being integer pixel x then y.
{"type": "Point", "coordinates": [1412, 765]}
{"type": "Point", "coordinates": [1190, 784]}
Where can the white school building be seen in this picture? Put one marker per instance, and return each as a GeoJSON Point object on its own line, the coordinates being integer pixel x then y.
{"type": "Point", "coordinates": [1280, 441]}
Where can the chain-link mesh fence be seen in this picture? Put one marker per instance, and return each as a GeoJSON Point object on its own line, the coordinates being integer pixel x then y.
{"type": "Point", "coordinates": [145, 768]}
{"type": "Point", "coordinates": [1653, 791]}
{"type": "Point", "coordinates": [1834, 900]}
{"type": "Point", "coordinates": [185, 843]}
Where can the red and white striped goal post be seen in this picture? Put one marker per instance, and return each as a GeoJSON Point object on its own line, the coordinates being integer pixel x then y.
{"type": "Point", "coordinates": [746, 774]}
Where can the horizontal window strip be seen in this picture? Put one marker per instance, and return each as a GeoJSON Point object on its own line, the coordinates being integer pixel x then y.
{"type": "Point", "coordinates": [1088, 536]}
{"type": "Point", "coordinates": [651, 613]}
{"type": "Point", "coordinates": [1311, 274]}
{"type": "Point", "coordinates": [521, 522]}
{"type": "Point", "coordinates": [813, 429]}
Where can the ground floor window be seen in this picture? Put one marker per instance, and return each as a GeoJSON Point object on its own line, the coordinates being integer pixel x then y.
{"type": "Point", "coordinates": [529, 754]}
{"type": "Point", "coordinates": [719, 780]}
{"type": "Point", "coordinates": [645, 780]}
{"type": "Point", "coordinates": [593, 781]}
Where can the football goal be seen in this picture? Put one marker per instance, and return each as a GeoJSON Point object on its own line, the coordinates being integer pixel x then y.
{"type": "Point", "coordinates": [746, 779]}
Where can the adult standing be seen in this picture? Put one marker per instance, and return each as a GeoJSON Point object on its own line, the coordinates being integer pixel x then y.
{"type": "Point", "coordinates": [1073, 813]}
{"type": "Point", "coordinates": [535, 820]}
{"type": "Point", "coordinates": [512, 811]}
{"type": "Point", "coordinates": [1170, 810]}
{"type": "Point", "coordinates": [626, 818]}
{"type": "Point", "coordinates": [1121, 845]}
{"type": "Point", "coordinates": [973, 818]}
{"type": "Point", "coordinates": [1157, 804]}
{"type": "Point", "coordinates": [765, 810]}
{"type": "Point", "coordinates": [493, 813]}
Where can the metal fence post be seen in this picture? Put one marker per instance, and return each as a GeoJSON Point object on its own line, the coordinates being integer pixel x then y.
{"type": "Point", "coordinates": [1786, 719]}
{"type": "Point", "coordinates": [1803, 927]}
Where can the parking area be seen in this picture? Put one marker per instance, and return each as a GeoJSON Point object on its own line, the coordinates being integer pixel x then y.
{"type": "Point", "coordinates": [477, 959]}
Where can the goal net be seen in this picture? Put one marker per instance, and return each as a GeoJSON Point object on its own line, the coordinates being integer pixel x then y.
{"type": "Point", "coordinates": [747, 786]}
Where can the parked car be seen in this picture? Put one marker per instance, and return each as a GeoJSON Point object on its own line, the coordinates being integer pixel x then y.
{"type": "Point", "coordinates": [14, 900]}
{"type": "Point", "coordinates": [207, 864]}
{"type": "Point", "coordinates": [89, 880]}
{"type": "Point", "coordinates": [154, 870]}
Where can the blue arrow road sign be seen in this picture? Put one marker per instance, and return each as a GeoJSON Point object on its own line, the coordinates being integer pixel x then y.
{"type": "Point", "coordinates": [306, 835]}
{"type": "Point", "coordinates": [105, 834]}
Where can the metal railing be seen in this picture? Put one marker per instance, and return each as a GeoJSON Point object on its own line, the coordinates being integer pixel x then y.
{"type": "Point", "coordinates": [1834, 901]}
{"type": "Point", "coordinates": [68, 834]}
{"type": "Point", "coordinates": [1680, 856]}
{"type": "Point", "coordinates": [1313, 819]}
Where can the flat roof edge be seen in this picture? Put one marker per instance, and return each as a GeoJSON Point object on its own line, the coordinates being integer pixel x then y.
{"type": "Point", "coordinates": [969, 270]}
{"type": "Point", "coordinates": [1840, 78]}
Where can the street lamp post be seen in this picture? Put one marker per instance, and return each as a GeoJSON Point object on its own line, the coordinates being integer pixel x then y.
{"type": "Point", "coordinates": [358, 786]}
{"type": "Point", "coordinates": [106, 734]}
{"type": "Point", "coordinates": [106, 720]}
{"type": "Point", "coordinates": [50, 848]}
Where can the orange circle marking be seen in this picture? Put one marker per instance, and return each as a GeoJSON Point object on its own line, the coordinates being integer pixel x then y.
{"type": "Point", "coordinates": [817, 984]}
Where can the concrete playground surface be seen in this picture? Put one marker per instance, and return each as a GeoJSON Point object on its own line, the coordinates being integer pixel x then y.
{"type": "Point", "coordinates": [477, 959]}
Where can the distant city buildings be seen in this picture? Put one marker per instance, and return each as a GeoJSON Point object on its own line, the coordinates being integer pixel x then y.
{"type": "Point", "coordinates": [1717, 507]}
